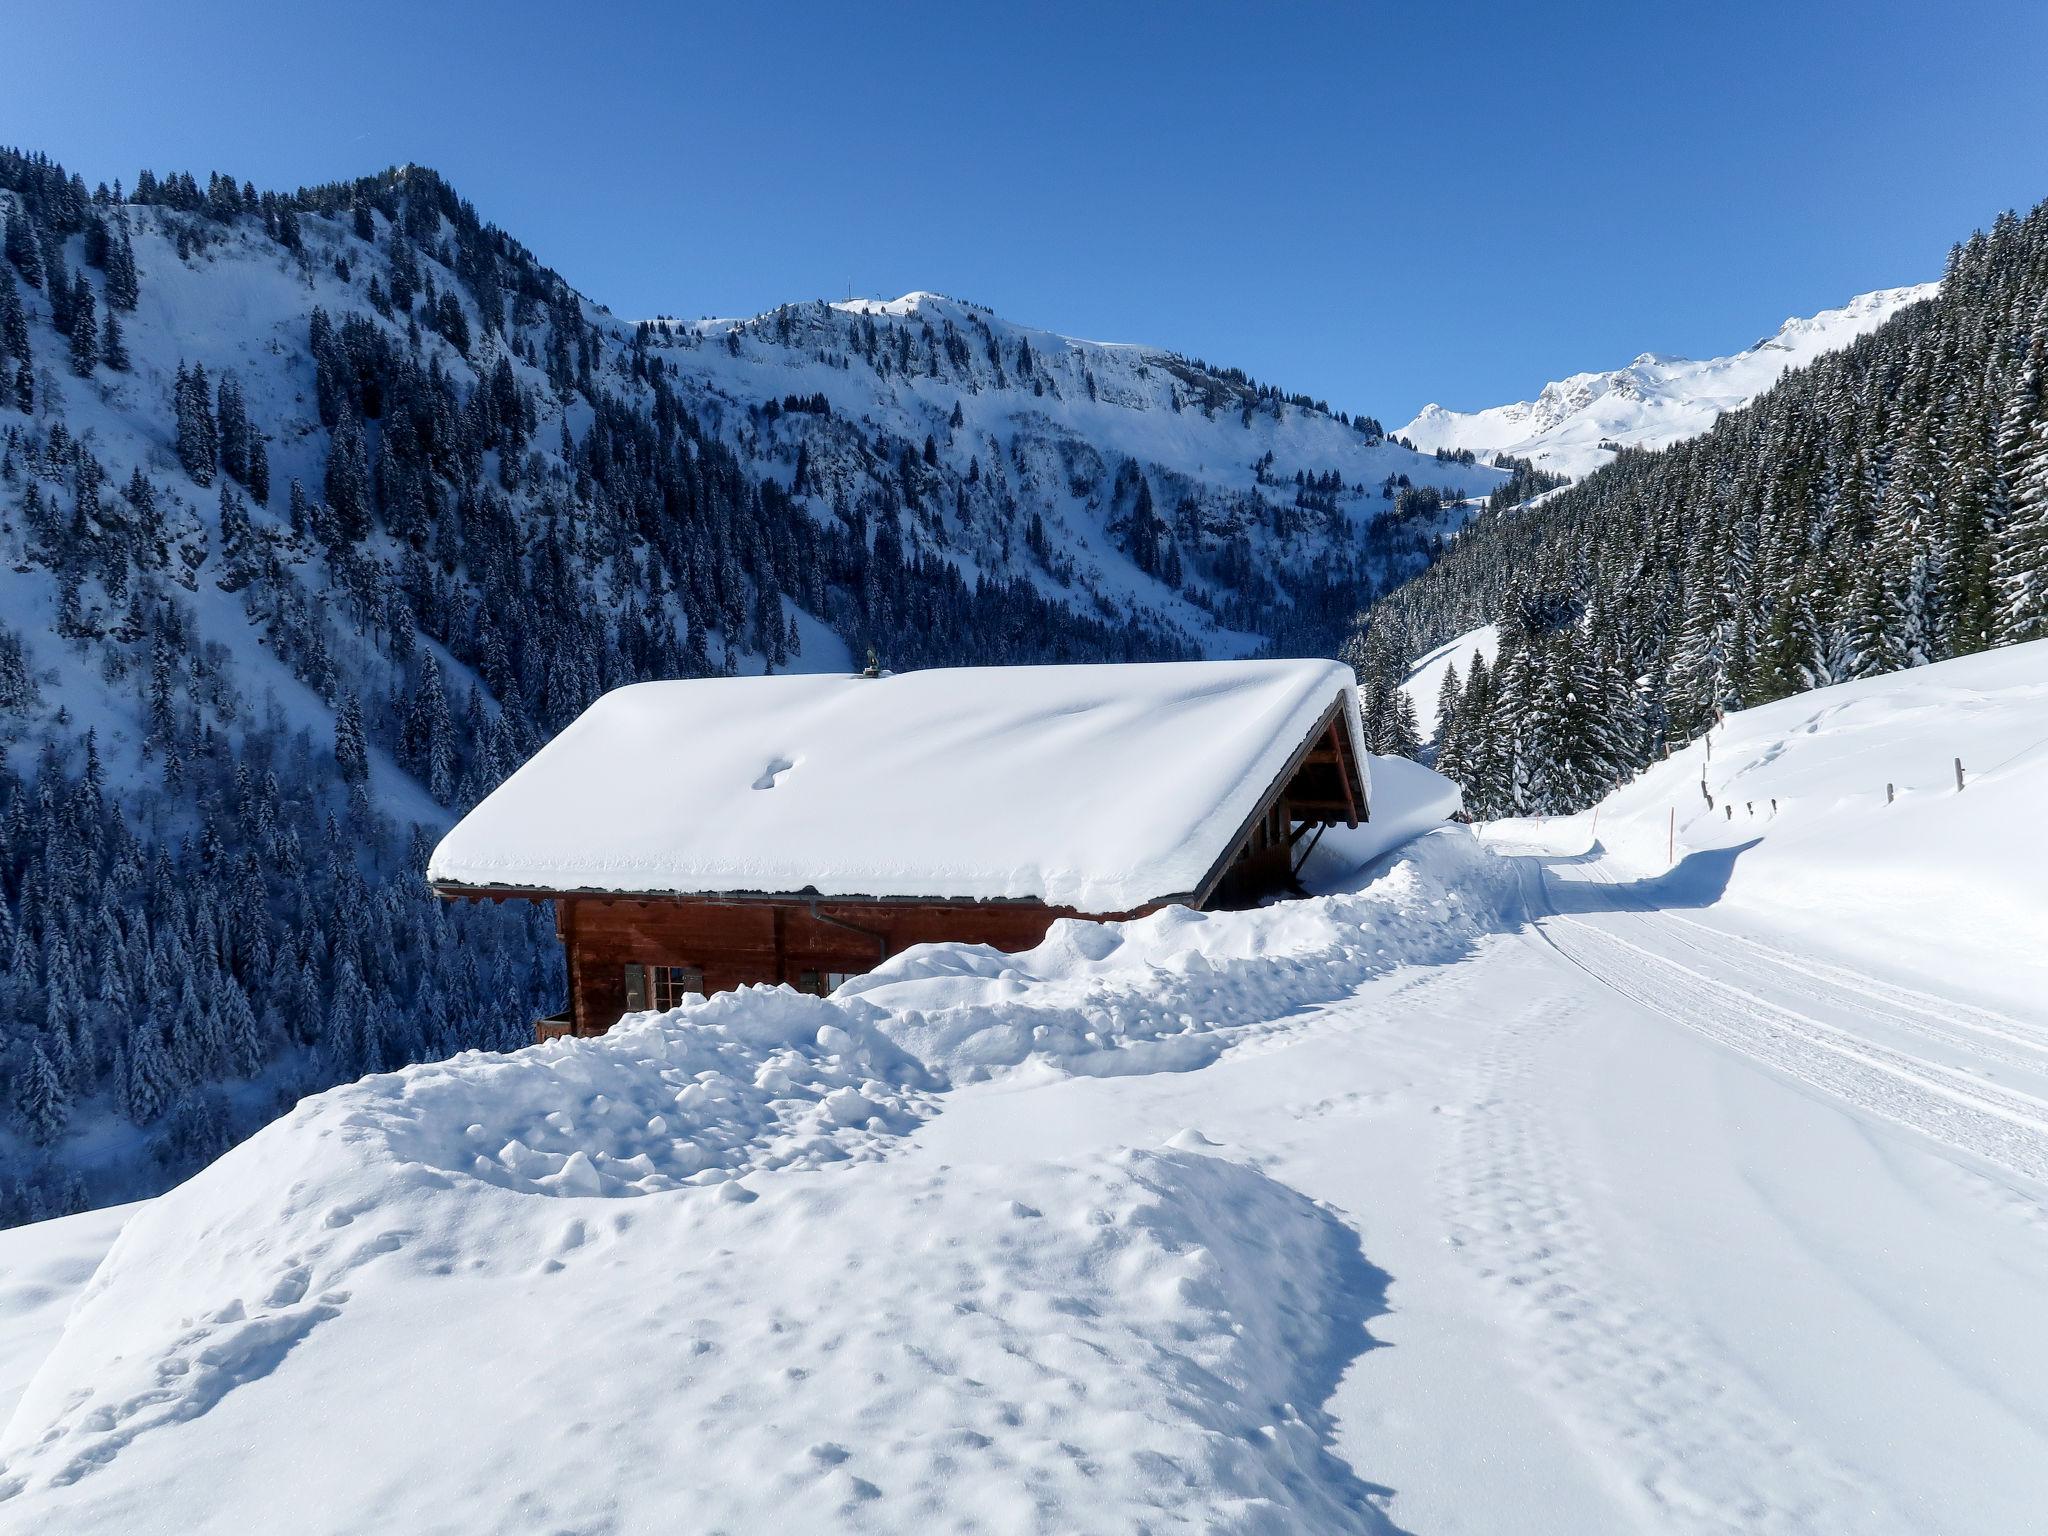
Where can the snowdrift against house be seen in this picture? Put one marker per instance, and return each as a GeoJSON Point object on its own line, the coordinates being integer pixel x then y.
{"type": "Point", "coordinates": [1103, 788]}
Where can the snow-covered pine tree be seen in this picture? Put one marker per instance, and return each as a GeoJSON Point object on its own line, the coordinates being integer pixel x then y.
{"type": "Point", "coordinates": [2019, 565]}
{"type": "Point", "coordinates": [198, 437]}
{"type": "Point", "coordinates": [85, 328]}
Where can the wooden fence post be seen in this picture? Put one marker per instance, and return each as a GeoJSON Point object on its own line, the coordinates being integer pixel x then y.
{"type": "Point", "coordinates": [1959, 775]}
{"type": "Point", "coordinates": [1889, 792]}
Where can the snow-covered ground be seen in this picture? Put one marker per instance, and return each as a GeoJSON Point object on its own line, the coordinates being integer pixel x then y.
{"type": "Point", "coordinates": [1525, 1179]}
{"type": "Point", "coordinates": [1574, 424]}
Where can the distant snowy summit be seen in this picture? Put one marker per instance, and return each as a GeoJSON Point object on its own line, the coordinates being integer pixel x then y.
{"type": "Point", "coordinates": [1576, 424]}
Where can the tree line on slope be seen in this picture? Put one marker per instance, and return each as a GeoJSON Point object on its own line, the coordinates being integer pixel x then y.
{"type": "Point", "coordinates": [1882, 508]}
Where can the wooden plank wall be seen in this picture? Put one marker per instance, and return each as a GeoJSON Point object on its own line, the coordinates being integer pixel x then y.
{"type": "Point", "coordinates": [739, 943]}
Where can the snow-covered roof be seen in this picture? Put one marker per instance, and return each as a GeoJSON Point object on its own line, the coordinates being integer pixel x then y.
{"type": "Point", "coordinates": [1102, 788]}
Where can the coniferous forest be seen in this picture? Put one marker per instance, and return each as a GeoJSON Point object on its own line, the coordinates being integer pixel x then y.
{"type": "Point", "coordinates": [1883, 508]}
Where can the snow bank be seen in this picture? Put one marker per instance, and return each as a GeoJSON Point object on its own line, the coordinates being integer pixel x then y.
{"type": "Point", "coordinates": [1800, 829]}
{"type": "Point", "coordinates": [1102, 788]}
{"type": "Point", "coordinates": [1138, 1342]}
{"type": "Point", "coordinates": [1172, 991]}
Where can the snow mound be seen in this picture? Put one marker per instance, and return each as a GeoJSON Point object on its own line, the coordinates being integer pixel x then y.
{"type": "Point", "coordinates": [755, 1079]}
{"type": "Point", "coordinates": [1172, 991]}
{"type": "Point", "coordinates": [1107, 1346]}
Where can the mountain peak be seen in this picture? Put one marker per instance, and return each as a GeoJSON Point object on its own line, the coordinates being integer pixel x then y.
{"type": "Point", "coordinates": [1576, 424]}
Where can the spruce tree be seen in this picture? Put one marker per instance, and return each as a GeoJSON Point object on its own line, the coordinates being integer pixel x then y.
{"type": "Point", "coordinates": [259, 466]}
{"type": "Point", "coordinates": [13, 319]}
{"type": "Point", "coordinates": [123, 289]}
{"type": "Point", "coordinates": [85, 329]}
{"type": "Point", "coordinates": [45, 1108]}
{"type": "Point", "coordinates": [198, 437]}
{"type": "Point", "coordinates": [2019, 564]}
{"type": "Point", "coordinates": [113, 345]}
{"type": "Point", "coordinates": [1448, 758]}
{"type": "Point", "coordinates": [233, 422]}
{"type": "Point", "coordinates": [351, 752]}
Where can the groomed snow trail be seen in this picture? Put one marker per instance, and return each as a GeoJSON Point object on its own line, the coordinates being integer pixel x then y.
{"type": "Point", "coordinates": [1883, 1049]}
{"type": "Point", "coordinates": [1689, 1441]}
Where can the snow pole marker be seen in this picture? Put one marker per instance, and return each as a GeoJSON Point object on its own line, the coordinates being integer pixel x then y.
{"type": "Point", "coordinates": [1959, 775]}
{"type": "Point", "coordinates": [1671, 839]}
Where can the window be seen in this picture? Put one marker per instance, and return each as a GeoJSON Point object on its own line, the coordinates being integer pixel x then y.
{"type": "Point", "coordinates": [823, 983]}
{"type": "Point", "coordinates": [668, 985]}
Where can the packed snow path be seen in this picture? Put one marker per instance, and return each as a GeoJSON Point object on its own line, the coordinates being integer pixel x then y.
{"type": "Point", "coordinates": [1683, 1232]}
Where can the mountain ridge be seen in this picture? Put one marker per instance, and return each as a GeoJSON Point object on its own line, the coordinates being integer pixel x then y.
{"type": "Point", "coordinates": [1574, 424]}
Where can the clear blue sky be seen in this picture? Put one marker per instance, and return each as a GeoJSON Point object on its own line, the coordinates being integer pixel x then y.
{"type": "Point", "coordinates": [1380, 204]}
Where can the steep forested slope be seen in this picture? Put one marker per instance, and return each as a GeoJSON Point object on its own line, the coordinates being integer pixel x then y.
{"type": "Point", "coordinates": [1885, 507]}
{"type": "Point", "coordinates": [320, 510]}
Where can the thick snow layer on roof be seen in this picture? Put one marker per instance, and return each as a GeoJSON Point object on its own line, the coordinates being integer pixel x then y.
{"type": "Point", "coordinates": [1097, 787]}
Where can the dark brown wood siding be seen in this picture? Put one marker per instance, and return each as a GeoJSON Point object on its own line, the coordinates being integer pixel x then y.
{"type": "Point", "coordinates": [740, 942]}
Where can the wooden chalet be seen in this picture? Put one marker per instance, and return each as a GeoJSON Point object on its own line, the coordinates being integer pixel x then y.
{"type": "Point", "coordinates": [701, 835]}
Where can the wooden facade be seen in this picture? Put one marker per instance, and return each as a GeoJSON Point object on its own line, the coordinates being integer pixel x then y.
{"type": "Point", "coordinates": [631, 951]}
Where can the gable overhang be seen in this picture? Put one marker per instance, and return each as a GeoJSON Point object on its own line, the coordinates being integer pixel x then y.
{"type": "Point", "coordinates": [1334, 734]}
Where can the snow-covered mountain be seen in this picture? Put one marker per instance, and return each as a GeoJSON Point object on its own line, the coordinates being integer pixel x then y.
{"type": "Point", "coordinates": [1576, 424]}
{"type": "Point", "coordinates": [1122, 478]}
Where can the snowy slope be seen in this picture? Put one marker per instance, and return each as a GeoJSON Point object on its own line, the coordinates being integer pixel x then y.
{"type": "Point", "coordinates": [1573, 424]}
{"type": "Point", "coordinates": [1425, 679]}
{"type": "Point", "coordinates": [1047, 425]}
{"type": "Point", "coordinates": [1945, 884]}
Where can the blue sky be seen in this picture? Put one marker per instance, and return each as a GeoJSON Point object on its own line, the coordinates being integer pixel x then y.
{"type": "Point", "coordinates": [1377, 204]}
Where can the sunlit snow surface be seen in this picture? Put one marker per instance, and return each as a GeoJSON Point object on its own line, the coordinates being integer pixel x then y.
{"type": "Point", "coordinates": [1101, 788]}
{"type": "Point", "coordinates": [1694, 1172]}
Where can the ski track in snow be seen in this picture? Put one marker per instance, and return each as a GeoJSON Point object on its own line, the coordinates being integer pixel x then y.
{"type": "Point", "coordinates": [1649, 1388]}
{"type": "Point", "coordinates": [2003, 1126]}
